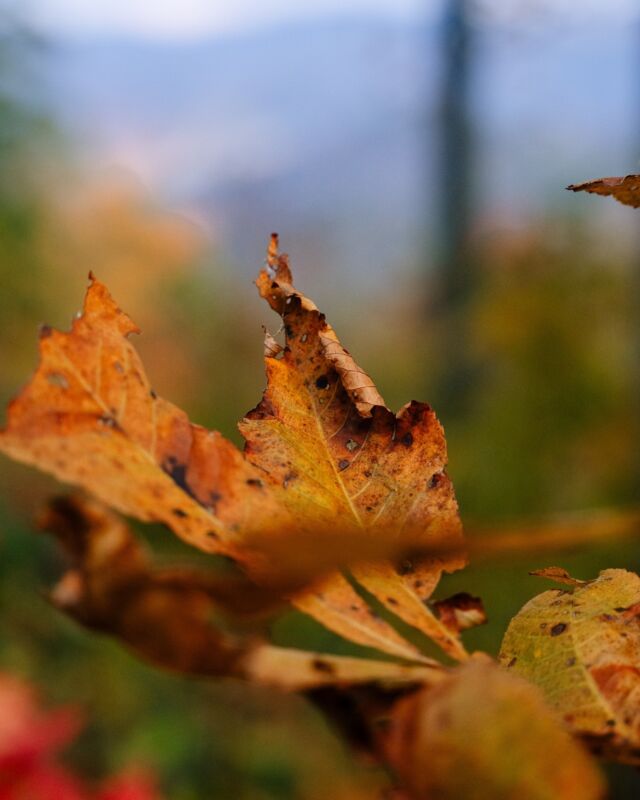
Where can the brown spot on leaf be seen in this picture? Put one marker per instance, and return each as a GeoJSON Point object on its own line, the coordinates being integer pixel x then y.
{"type": "Point", "coordinates": [559, 628]}
{"type": "Point", "coordinates": [631, 611]}
{"type": "Point", "coordinates": [178, 474]}
{"type": "Point", "coordinates": [320, 665]}
{"type": "Point", "coordinates": [288, 478]}
{"type": "Point", "coordinates": [214, 499]}
{"type": "Point", "coordinates": [406, 567]}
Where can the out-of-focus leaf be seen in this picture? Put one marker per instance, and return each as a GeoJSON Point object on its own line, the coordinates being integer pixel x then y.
{"type": "Point", "coordinates": [484, 733]}
{"type": "Point", "coordinates": [299, 670]}
{"type": "Point", "coordinates": [329, 475]}
{"type": "Point", "coordinates": [562, 532]}
{"type": "Point", "coordinates": [168, 617]}
{"type": "Point", "coordinates": [582, 648]}
{"type": "Point", "coordinates": [96, 540]}
{"type": "Point", "coordinates": [625, 190]}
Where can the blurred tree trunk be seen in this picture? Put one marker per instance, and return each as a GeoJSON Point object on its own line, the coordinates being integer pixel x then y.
{"type": "Point", "coordinates": [455, 195]}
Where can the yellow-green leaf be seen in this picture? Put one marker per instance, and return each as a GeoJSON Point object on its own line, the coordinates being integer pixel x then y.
{"type": "Point", "coordinates": [582, 648]}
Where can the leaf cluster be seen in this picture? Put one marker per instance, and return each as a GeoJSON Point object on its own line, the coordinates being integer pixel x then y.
{"type": "Point", "coordinates": [338, 507]}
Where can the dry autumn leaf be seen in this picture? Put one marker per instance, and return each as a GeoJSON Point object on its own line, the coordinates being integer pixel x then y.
{"type": "Point", "coordinates": [167, 616]}
{"type": "Point", "coordinates": [582, 648]}
{"type": "Point", "coordinates": [558, 575]}
{"type": "Point", "coordinates": [375, 470]}
{"type": "Point", "coordinates": [323, 457]}
{"type": "Point", "coordinates": [483, 733]}
{"type": "Point", "coordinates": [461, 612]}
{"type": "Point", "coordinates": [625, 190]}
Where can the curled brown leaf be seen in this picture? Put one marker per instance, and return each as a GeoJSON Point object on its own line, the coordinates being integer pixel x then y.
{"type": "Point", "coordinates": [461, 612]}
{"type": "Point", "coordinates": [168, 616]}
{"type": "Point", "coordinates": [625, 190]}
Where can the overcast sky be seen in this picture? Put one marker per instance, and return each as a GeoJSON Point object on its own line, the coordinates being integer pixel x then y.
{"type": "Point", "coordinates": [184, 19]}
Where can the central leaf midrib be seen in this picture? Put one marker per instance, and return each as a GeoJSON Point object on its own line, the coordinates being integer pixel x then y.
{"type": "Point", "coordinates": [336, 472]}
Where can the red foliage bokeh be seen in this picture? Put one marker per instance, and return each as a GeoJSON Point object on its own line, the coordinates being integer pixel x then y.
{"type": "Point", "coordinates": [31, 739]}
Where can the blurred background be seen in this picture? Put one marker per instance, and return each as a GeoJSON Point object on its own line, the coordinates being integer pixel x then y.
{"type": "Point", "coordinates": [413, 155]}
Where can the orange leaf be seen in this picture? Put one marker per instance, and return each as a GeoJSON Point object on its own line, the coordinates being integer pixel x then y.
{"type": "Point", "coordinates": [625, 190]}
{"type": "Point", "coordinates": [328, 471]}
{"type": "Point", "coordinates": [323, 431]}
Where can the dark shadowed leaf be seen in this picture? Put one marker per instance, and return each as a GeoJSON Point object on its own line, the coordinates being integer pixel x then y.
{"type": "Point", "coordinates": [484, 733]}
{"type": "Point", "coordinates": [168, 616]}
